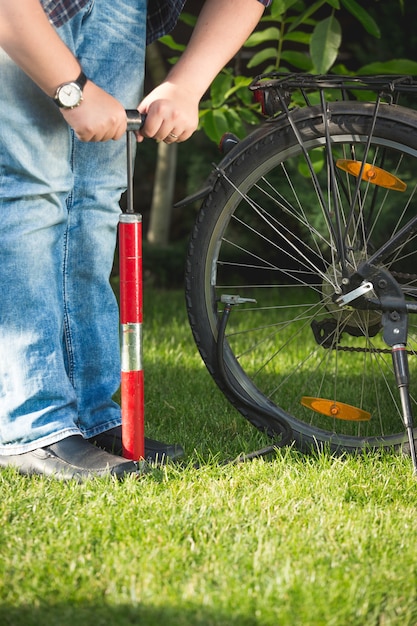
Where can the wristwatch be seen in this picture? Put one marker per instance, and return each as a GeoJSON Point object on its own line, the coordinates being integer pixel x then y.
{"type": "Point", "coordinates": [70, 95]}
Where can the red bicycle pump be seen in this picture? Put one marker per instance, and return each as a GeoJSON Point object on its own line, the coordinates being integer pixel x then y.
{"type": "Point", "coordinates": [131, 310]}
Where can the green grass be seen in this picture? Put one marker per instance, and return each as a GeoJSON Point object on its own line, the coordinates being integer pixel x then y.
{"type": "Point", "coordinates": [289, 540]}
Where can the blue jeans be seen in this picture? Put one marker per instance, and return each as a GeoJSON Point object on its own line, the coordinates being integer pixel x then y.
{"type": "Point", "coordinates": [59, 208]}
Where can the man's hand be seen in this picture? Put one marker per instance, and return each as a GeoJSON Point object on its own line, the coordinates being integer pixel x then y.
{"type": "Point", "coordinates": [171, 114]}
{"type": "Point", "coordinates": [99, 117]}
{"type": "Point", "coordinates": [221, 29]}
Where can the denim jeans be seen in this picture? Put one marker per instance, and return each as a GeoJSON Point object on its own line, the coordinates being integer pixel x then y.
{"type": "Point", "coordinates": [59, 208]}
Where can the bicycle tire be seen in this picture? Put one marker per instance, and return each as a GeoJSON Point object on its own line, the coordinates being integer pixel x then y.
{"type": "Point", "coordinates": [260, 234]}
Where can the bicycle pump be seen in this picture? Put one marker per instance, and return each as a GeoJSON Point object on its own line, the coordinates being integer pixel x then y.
{"type": "Point", "coordinates": [131, 310]}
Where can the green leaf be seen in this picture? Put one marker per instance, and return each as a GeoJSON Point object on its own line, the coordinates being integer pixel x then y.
{"type": "Point", "coordinates": [307, 13]}
{"type": "Point", "coordinates": [249, 116]}
{"type": "Point", "coordinates": [363, 17]}
{"type": "Point", "coordinates": [317, 157]}
{"type": "Point", "coordinates": [169, 41]}
{"type": "Point", "coordinates": [298, 36]}
{"type": "Point", "coordinates": [173, 60]}
{"type": "Point", "coordinates": [235, 90]}
{"type": "Point", "coordinates": [242, 81]}
{"type": "Point", "coordinates": [235, 123]}
{"type": "Point", "coordinates": [395, 66]}
{"type": "Point", "coordinates": [271, 68]}
{"type": "Point", "coordinates": [240, 88]}
{"type": "Point", "coordinates": [298, 59]}
{"type": "Point", "coordinates": [221, 84]}
{"type": "Point", "coordinates": [214, 124]}
{"type": "Point", "coordinates": [261, 37]}
{"type": "Point", "coordinates": [325, 43]}
{"type": "Point", "coordinates": [262, 56]}
{"type": "Point", "coordinates": [188, 18]}
{"type": "Point", "coordinates": [340, 68]}
{"type": "Point", "coordinates": [279, 7]}
{"type": "Point", "coordinates": [246, 96]}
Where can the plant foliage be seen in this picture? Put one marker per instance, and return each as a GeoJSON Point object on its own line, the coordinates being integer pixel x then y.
{"type": "Point", "coordinates": [292, 36]}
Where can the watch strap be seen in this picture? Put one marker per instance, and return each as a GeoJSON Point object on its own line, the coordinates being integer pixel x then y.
{"type": "Point", "coordinates": [81, 80]}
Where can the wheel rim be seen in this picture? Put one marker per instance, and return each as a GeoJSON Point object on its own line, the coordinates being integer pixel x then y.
{"type": "Point", "coordinates": [273, 354]}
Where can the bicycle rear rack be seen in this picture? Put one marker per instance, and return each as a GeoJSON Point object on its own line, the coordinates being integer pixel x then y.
{"type": "Point", "coordinates": [275, 91]}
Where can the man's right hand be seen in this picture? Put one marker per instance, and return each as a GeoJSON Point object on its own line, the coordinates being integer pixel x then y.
{"type": "Point", "coordinates": [29, 39]}
{"type": "Point", "coordinates": [99, 117]}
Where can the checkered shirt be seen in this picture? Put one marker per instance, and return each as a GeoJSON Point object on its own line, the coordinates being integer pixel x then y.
{"type": "Point", "coordinates": [162, 14]}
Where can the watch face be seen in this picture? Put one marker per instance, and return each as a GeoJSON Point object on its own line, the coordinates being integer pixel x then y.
{"type": "Point", "coordinates": [69, 95]}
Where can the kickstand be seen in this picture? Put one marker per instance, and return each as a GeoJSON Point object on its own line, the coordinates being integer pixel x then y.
{"type": "Point", "coordinates": [395, 331]}
{"type": "Point", "coordinates": [402, 376]}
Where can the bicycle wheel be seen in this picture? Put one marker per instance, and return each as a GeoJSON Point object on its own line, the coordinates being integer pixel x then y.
{"type": "Point", "coordinates": [262, 234]}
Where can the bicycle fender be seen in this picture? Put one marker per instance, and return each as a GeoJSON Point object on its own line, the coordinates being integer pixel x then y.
{"type": "Point", "coordinates": [265, 129]}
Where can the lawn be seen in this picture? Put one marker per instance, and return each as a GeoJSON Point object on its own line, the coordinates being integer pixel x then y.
{"type": "Point", "coordinates": [286, 540]}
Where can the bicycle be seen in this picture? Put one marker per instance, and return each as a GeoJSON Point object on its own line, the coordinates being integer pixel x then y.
{"type": "Point", "coordinates": [301, 276]}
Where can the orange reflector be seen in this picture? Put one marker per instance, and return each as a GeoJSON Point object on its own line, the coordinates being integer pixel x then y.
{"type": "Point", "coordinates": [338, 410]}
{"type": "Point", "coordinates": [371, 174]}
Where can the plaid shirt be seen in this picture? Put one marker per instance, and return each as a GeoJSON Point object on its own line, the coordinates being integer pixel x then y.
{"type": "Point", "coordinates": [162, 14]}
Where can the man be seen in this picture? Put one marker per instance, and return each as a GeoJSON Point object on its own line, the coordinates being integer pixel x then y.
{"type": "Point", "coordinates": [69, 70]}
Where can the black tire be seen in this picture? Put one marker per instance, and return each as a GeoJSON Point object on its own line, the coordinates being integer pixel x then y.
{"type": "Point", "coordinates": [261, 234]}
